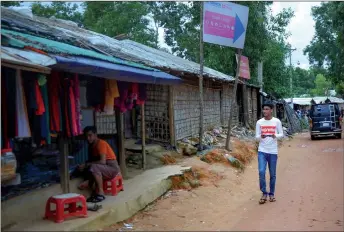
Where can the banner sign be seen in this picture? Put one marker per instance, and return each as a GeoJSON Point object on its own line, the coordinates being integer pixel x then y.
{"type": "Point", "coordinates": [225, 23]}
{"type": "Point", "coordinates": [244, 67]}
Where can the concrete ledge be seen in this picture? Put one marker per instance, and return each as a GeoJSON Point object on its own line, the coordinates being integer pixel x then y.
{"type": "Point", "coordinates": [138, 193]}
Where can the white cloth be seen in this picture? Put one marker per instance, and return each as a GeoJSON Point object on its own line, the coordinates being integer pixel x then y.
{"type": "Point", "coordinates": [269, 127]}
{"type": "Point", "coordinates": [22, 117]}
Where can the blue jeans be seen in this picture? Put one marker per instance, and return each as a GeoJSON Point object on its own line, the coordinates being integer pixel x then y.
{"type": "Point", "coordinates": [263, 159]}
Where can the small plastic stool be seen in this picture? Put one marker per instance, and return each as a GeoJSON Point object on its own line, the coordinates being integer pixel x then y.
{"type": "Point", "coordinates": [113, 186]}
{"type": "Point", "coordinates": [70, 199]}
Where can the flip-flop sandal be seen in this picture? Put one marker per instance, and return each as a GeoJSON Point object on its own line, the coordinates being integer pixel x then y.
{"type": "Point", "coordinates": [93, 199]}
{"type": "Point", "coordinates": [263, 200]}
{"type": "Point", "coordinates": [100, 197]}
{"type": "Point", "coordinates": [94, 208]}
{"type": "Point", "coordinates": [272, 199]}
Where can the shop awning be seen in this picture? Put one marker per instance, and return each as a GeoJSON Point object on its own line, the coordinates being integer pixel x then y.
{"type": "Point", "coordinates": [99, 68]}
{"type": "Point", "coordinates": [26, 60]}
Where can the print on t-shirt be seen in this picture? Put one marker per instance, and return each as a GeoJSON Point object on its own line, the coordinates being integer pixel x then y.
{"type": "Point", "coordinates": [268, 130]}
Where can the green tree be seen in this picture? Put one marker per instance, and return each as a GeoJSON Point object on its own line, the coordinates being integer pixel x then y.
{"type": "Point", "coordinates": [326, 49]}
{"type": "Point", "coordinates": [303, 82]}
{"type": "Point", "coordinates": [115, 18]}
{"type": "Point", "coordinates": [322, 86]}
{"type": "Point", "coordinates": [60, 10]}
{"type": "Point", "coordinates": [182, 24]}
{"type": "Point", "coordinates": [10, 3]}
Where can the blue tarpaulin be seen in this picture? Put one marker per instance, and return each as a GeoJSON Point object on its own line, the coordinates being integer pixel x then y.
{"type": "Point", "coordinates": [99, 68]}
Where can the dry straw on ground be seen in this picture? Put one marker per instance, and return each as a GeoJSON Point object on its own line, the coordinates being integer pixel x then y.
{"type": "Point", "coordinates": [244, 152]}
{"type": "Point", "coordinates": [197, 176]}
{"type": "Point", "coordinates": [168, 160]}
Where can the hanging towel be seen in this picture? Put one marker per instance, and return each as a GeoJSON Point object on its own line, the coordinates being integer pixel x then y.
{"type": "Point", "coordinates": [111, 92]}
{"type": "Point", "coordinates": [22, 116]}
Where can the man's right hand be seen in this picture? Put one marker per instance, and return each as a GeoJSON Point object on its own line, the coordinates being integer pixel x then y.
{"type": "Point", "coordinates": [263, 136]}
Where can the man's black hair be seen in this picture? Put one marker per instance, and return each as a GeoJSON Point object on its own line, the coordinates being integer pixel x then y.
{"type": "Point", "coordinates": [93, 129]}
{"type": "Point", "coordinates": [268, 104]}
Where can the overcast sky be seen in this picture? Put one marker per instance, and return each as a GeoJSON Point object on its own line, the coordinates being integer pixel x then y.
{"type": "Point", "coordinates": [301, 28]}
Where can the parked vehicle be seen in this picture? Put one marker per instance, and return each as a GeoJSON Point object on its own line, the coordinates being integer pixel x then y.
{"type": "Point", "coordinates": [325, 120]}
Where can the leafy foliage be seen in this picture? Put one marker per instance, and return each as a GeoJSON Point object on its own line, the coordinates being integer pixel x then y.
{"type": "Point", "coordinates": [140, 21]}
{"type": "Point", "coordinates": [61, 10]}
{"type": "Point", "coordinates": [10, 3]}
{"type": "Point", "coordinates": [326, 50]}
{"type": "Point", "coordinates": [322, 86]}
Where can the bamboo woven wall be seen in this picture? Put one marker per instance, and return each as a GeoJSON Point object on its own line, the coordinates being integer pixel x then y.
{"type": "Point", "coordinates": [250, 106]}
{"type": "Point", "coordinates": [156, 113]}
{"type": "Point", "coordinates": [186, 110]}
{"type": "Point", "coordinates": [227, 94]}
{"type": "Point", "coordinates": [106, 124]}
{"type": "Point", "coordinates": [254, 105]}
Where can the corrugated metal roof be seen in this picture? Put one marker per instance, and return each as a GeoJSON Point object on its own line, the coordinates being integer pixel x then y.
{"type": "Point", "coordinates": [26, 60]}
{"type": "Point", "coordinates": [128, 50]}
{"type": "Point", "coordinates": [27, 57]}
{"type": "Point", "coordinates": [18, 39]}
{"type": "Point", "coordinates": [307, 100]}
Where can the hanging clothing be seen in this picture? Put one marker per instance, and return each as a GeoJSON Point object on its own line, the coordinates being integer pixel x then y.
{"type": "Point", "coordinates": [120, 102]}
{"type": "Point", "coordinates": [30, 85]}
{"type": "Point", "coordinates": [95, 91]}
{"type": "Point", "coordinates": [83, 98]}
{"type": "Point", "coordinates": [9, 82]}
{"type": "Point", "coordinates": [111, 92]}
{"type": "Point", "coordinates": [39, 99]}
{"type": "Point", "coordinates": [5, 144]}
{"type": "Point", "coordinates": [22, 115]}
{"type": "Point", "coordinates": [142, 97]}
{"type": "Point", "coordinates": [76, 91]}
{"type": "Point", "coordinates": [45, 129]}
{"type": "Point", "coordinates": [54, 88]}
{"type": "Point", "coordinates": [73, 112]}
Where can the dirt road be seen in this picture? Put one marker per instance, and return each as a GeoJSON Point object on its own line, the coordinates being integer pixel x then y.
{"type": "Point", "coordinates": [309, 192]}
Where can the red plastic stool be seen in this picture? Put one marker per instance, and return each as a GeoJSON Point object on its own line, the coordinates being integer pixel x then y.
{"type": "Point", "coordinates": [70, 199]}
{"type": "Point", "coordinates": [113, 186]}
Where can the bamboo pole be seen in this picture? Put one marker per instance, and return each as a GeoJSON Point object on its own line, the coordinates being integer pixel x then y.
{"type": "Point", "coordinates": [228, 140]}
{"type": "Point", "coordinates": [64, 170]}
{"type": "Point", "coordinates": [121, 140]}
{"type": "Point", "coordinates": [143, 136]}
{"type": "Point", "coordinates": [201, 103]}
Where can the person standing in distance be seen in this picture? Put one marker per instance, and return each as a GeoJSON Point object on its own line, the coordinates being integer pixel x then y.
{"type": "Point", "coordinates": [268, 131]}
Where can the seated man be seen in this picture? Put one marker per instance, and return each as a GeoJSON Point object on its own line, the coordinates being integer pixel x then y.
{"type": "Point", "coordinates": [102, 166]}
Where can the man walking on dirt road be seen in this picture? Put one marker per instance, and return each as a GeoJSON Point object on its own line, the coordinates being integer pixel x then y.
{"type": "Point", "coordinates": [268, 130]}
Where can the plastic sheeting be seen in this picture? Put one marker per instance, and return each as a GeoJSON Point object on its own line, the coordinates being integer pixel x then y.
{"type": "Point", "coordinates": [98, 68]}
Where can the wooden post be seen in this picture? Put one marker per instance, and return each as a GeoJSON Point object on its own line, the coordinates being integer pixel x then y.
{"type": "Point", "coordinates": [64, 166]}
{"type": "Point", "coordinates": [121, 139]}
{"type": "Point", "coordinates": [228, 140]}
{"type": "Point", "coordinates": [171, 117]}
{"type": "Point", "coordinates": [201, 103]}
{"type": "Point", "coordinates": [245, 104]}
{"type": "Point", "coordinates": [143, 136]}
{"type": "Point", "coordinates": [221, 106]}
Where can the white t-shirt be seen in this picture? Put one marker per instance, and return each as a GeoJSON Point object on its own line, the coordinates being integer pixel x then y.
{"type": "Point", "coordinates": [268, 128]}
